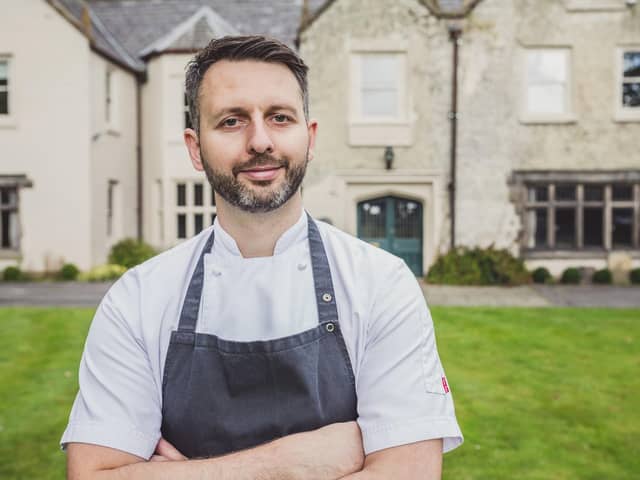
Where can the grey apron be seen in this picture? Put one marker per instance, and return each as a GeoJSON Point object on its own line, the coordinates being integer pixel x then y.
{"type": "Point", "coordinates": [220, 396]}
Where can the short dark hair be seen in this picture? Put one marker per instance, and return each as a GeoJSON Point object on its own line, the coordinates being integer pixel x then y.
{"type": "Point", "coordinates": [235, 48]}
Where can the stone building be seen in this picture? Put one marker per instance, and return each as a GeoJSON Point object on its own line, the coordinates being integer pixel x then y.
{"type": "Point", "coordinates": [532, 146]}
{"type": "Point", "coordinates": [546, 157]}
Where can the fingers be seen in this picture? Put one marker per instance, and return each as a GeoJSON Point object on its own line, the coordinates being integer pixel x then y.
{"type": "Point", "coordinates": [168, 451]}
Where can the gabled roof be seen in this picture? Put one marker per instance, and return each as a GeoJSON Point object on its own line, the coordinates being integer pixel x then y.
{"type": "Point", "coordinates": [130, 31]}
{"type": "Point", "coordinates": [101, 40]}
{"type": "Point", "coordinates": [191, 34]}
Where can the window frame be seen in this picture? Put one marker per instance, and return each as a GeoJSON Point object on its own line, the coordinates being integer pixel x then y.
{"type": "Point", "coordinates": [528, 180]}
{"type": "Point", "coordinates": [8, 120]}
{"type": "Point", "coordinates": [621, 113]}
{"type": "Point", "coordinates": [190, 209]}
{"type": "Point", "coordinates": [12, 250]}
{"type": "Point", "coordinates": [527, 117]}
{"type": "Point", "coordinates": [111, 99]}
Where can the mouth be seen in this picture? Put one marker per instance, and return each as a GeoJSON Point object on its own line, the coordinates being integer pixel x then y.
{"type": "Point", "coordinates": [262, 173]}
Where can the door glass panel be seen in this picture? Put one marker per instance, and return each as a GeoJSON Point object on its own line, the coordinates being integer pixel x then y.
{"type": "Point", "coordinates": [197, 194]}
{"type": "Point", "coordinates": [181, 194]}
{"type": "Point", "coordinates": [408, 219]}
{"type": "Point", "coordinates": [182, 225]}
{"type": "Point", "coordinates": [538, 193]}
{"type": "Point", "coordinates": [372, 218]}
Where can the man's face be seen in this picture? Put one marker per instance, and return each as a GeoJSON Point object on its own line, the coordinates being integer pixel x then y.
{"type": "Point", "coordinates": [254, 141]}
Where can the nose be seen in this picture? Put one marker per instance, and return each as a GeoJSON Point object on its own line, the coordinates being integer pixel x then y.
{"type": "Point", "coordinates": [259, 140]}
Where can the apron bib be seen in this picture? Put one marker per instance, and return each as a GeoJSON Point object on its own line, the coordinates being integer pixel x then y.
{"type": "Point", "coordinates": [220, 396]}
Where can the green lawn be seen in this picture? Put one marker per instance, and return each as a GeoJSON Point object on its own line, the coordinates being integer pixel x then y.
{"type": "Point", "coordinates": [540, 393]}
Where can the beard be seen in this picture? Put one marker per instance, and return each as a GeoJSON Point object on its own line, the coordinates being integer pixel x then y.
{"type": "Point", "coordinates": [260, 198]}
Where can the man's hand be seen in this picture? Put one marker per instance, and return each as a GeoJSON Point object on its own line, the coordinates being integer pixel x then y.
{"type": "Point", "coordinates": [328, 453]}
{"type": "Point", "coordinates": [166, 452]}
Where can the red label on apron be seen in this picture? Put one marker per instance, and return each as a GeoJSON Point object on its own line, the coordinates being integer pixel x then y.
{"type": "Point", "coordinates": [444, 385]}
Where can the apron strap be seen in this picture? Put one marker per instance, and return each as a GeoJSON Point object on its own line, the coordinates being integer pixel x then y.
{"type": "Point", "coordinates": [191, 305]}
{"type": "Point", "coordinates": [325, 296]}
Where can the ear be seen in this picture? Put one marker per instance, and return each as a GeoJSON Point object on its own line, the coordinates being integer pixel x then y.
{"type": "Point", "coordinates": [312, 129]}
{"type": "Point", "coordinates": [193, 147]}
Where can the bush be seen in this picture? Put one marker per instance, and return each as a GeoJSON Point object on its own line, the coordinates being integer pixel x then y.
{"type": "Point", "coordinates": [602, 277]}
{"type": "Point", "coordinates": [102, 273]}
{"type": "Point", "coordinates": [634, 276]}
{"type": "Point", "coordinates": [68, 272]}
{"type": "Point", "coordinates": [478, 266]}
{"type": "Point", "coordinates": [13, 274]}
{"type": "Point", "coordinates": [571, 276]}
{"type": "Point", "coordinates": [541, 275]}
{"type": "Point", "coordinates": [130, 252]}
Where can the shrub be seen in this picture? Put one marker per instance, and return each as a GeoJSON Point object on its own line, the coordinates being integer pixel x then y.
{"type": "Point", "coordinates": [571, 276]}
{"type": "Point", "coordinates": [602, 277]}
{"type": "Point", "coordinates": [102, 273]}
{"type": "Point", "coordinates": [634, 276]}
{"type": "Point", "coordinates": [478, 266]}
{"type": "Point", "coordinates": [130, 252]}
{"type": "Point", "coordinates": [541, 275]}
{"type": "Point", "coordinates": [12, 274]}
{"type": "Point", "coordinates": [68, 272]}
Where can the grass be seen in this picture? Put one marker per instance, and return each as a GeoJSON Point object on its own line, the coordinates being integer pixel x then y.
{"type": "Point", "coordinates": [547, 394]}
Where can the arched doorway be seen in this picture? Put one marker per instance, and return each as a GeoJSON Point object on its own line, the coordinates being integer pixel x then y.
{"type": "Point", "coordinates": [394, 224]}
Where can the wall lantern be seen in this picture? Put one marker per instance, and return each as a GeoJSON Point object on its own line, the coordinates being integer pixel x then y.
{"type": "Point", "coordinates": [388, 157]}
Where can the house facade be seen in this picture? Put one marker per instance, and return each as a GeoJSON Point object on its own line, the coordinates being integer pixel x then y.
{"type": "Point", "coordinates": [547, 127]}
{"type": "Point", "coordinates": [520, 117]}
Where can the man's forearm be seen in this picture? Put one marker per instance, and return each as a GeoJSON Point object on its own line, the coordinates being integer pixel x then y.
{"type": "Point", "coordinates": [329, 453]}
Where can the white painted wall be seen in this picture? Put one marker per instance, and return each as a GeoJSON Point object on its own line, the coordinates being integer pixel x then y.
{"type": "Point", "coordinates": [48, 138]}
{"type": "Point", "coordinates": [113, 156]}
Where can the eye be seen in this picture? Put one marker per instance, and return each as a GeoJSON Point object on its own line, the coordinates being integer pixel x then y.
{"type": "Point", "coordinates": [281, 118]}
{"type": "Point", "coordinates": [230, 122]}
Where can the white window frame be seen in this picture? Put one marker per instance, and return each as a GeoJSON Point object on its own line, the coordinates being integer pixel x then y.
{"type": "Point", "coordinates": [568, 116]}
{"type": "Point", "coordinates": [112, 99]}
{"type": "Point", "coordinates": [623, 114]}
{"type": "Point", "coordinates": [14, 208]}
{"type": "Point", "coordinates": [190, 209]}
{"type": "Point", "coordinates": [357, 114]}
{"type": "Point", "coordinates": [8, 120]}
{"type": "Point", "coordinates": [379, 131]}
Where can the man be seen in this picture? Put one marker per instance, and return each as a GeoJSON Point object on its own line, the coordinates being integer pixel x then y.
{"type": "Point", "coordinates": [249, 350]}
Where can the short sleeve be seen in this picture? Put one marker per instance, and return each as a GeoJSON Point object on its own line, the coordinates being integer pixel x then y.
{"type": "Point", "coordinates": [118, 403]}
{"type": "Point", "coordinates": [403, 394]}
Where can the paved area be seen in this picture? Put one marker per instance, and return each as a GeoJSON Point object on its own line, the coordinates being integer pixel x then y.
{"type": "Point", "coordinates": [90, 294]}
{"type": "Point", "coordinates": [56, 294]}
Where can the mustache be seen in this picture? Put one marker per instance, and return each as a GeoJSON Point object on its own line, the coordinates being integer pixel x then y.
{"type": "Point", "coordinates": [260, 160]}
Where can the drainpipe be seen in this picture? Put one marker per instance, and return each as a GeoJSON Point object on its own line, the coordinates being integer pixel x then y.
{"type": "Point", "coordinates": [139, 80]}
{"type": "Point", "coordinates": [455, 32]}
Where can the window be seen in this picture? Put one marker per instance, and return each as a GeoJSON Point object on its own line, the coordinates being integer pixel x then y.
{"type": "Point", "coordinates": [378, 86]}
{"type": "Point", "coordinates": [8, 217]}
{"type": "Point", "coordinates": [195, 204]}
{"type": "Point", "coordinates": [4, 87]}
{"type": "Point", "coordinates": [379, 99]}
{"type": "Point", "coordinates": [111, 112]}
{"type": "Point", "coordinates": [187, 115]}
{"type": "Point", "coordinates": [587, 214]}
{"type": "Point", "coordinates": [114, 209]}
{"type": "Point", "coordinates": [547, 85]}
{"type": "Point", "coordinates": [628, 84]}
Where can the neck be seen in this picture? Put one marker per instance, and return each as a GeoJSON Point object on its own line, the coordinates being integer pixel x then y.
{"type": "Point", "coordinates": [256, 234]}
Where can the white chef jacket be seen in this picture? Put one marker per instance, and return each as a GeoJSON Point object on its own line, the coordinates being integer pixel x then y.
{"type": "Point", "coordinates": [387, 328]}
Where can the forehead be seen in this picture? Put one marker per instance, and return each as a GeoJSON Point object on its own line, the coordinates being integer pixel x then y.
{"type": "Point", "coordinates": [246, 83]}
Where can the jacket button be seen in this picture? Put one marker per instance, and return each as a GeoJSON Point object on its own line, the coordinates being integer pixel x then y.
{"type": "Point", "coordinates": [327, 297]}
{"type": "Point", "coordinates": [330, 327]}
